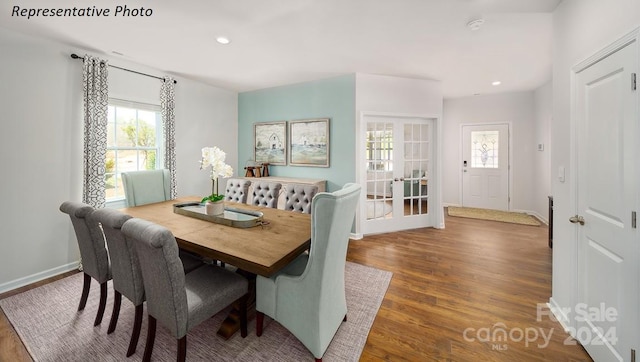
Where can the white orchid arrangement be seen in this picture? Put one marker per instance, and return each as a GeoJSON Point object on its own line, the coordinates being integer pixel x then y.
{"type": "Point", "coordinates": [214, 157]}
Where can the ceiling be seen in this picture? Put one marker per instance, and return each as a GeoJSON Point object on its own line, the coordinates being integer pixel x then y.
{"type": "Point", "coordinates": [277, 42]}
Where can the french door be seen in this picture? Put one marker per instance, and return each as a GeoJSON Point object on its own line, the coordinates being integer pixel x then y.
{"type": "Point", "coordinates": [398, 155]}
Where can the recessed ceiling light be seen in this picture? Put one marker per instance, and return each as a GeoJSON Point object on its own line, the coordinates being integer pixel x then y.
{"type": "Point", "coordinates": [223, 40]}
{"type": "Point", "coordinates": [497, 82]}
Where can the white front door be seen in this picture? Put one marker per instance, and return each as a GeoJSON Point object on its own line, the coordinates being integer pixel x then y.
{"type": "Point", "coordinates": [606, 149]}
{"type": "Point", "coordinates": [398, 153]}
{"type": "Point", "coordinates": [485, 166]}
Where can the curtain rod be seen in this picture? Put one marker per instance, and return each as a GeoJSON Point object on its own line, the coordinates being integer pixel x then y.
{"type": "Point", "coordinates": [75, 56]}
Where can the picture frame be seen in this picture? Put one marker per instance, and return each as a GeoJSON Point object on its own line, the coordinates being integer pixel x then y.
{"type": "Point", "coordinates": [270, 142]}
{"type": "Point", "coordinates": [309, 142]}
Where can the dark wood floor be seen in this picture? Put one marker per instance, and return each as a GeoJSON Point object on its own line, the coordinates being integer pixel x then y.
{"type": "Point", "coordinates": [474, 276]}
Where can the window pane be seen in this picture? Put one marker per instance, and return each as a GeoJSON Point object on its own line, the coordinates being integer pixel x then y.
{"type": "Point", "coordinates": [146, 128]}
{"type": "Point", "coordinates": [484, 149]}
{"type": "Point", "coordinates": [127, 128]}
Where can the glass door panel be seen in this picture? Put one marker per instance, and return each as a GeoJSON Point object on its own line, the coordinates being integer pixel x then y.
{"type": "Point", "coordinates": [379, 157]}
{"type": "Point", "coordinates": [417, 152]}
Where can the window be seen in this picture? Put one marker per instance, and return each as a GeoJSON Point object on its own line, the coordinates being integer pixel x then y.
{"type": "Point", "coordinates": [484, 149]}
{"type": "Point", "coordinates": [134, 139]}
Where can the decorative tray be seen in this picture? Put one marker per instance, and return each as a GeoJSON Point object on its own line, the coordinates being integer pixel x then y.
{"type": "Point", "coordinates": [237, 218]}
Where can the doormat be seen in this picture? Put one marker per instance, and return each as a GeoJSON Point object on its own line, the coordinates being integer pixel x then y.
{"type": "Point", "coordinates": [493, 215]}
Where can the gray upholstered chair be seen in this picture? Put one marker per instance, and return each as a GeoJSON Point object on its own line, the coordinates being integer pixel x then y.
{"type": "Point", "coordinates": [299, 197]}
{"type": "Point", "coordinates": [127, 279]}
{"type": "Point", "coordinates": [146, 187]}
{"type": "Point", "coordinates": [180, 302]}
{"type": "Point", "coordinates": [125, 270]}
{"type": "Point", "coordinates": [266, 194]}
{"type": "Point", "coordinates": [95, 260]}
{"type": "Point", "coordinates": [237, 190]}
{"type": "Point", "coordinates": [308, 297]}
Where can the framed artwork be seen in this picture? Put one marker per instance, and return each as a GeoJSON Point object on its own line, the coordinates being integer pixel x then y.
{"type": "Point", "coordinates": [270, 142]}
{"type": "Point", "coordinates": [309, 142]}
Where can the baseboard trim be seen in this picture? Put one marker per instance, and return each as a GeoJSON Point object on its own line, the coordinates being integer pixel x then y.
{"type": "Point", "coordinates": [356, 236]}
{"type": "Point", "coordinates": [21, 282]}
{"type": "Point", "coordinates": [561, 317]}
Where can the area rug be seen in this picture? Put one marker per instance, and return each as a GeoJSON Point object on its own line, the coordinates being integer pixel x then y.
{"type": "Point", "coordinates": [378, 208]}
{"type": "Point", "coordinates": [51, 328]}
{"type": "Point", "coordinates": [493, 215]}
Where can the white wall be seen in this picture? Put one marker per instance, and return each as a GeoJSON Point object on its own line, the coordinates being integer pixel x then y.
{"type": "Point", "coordinates": [41, 144]}
{"type": "Point", "coordinates": [404, 96]}
{"type": "Point", "coordinates": [580, 29]}
{"type": "Point", "coordinates": [517, 109]}
{"type": "Point", "coordinates": [543, 108]}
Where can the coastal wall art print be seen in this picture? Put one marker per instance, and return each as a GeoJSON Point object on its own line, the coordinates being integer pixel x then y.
{"type": "Point", "coordinates": [309, 142]}
{"type": "Point", "coordinates": [270, 142]}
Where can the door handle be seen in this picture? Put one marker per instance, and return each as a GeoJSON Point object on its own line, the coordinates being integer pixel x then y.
{"type": "Point", "coordinates": [577, 220]}
{"type": "Point", "coordinates": [398, 179]}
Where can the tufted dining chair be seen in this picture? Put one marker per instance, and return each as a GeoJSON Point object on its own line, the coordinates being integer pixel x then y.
{"type": "Point", "coordinates": [237, 190]}
{"type": "Point", "coordinates": [177, 300]}
{"type": "Point", "coordinates": [308, 296]}
{"type": "Point", "coordinates": [299, 197]}
{"type": "Point", "coordinates": [146, 187]}
{"type": "Point", "coordinates": [266, 194]}
{"type": "Point", "coordinates": [125, 269]}
{"type": "Point", "coordinates": [127, 279]}
{"type": "Point", "coordinates": [95, 260]}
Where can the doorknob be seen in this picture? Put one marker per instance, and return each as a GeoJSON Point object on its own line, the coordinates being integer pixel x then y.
{"type": "Point", "coordinates": [577, 220]}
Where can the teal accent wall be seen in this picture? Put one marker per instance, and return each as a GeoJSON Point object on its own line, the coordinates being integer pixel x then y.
{"type": "Point", "coordinates": [332, 98]}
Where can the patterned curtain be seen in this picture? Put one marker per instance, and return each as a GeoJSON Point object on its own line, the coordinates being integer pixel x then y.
{"type": "Point", "coordinates": [96, 103]}
{"type": "Point", "coordinates": [167, 103]}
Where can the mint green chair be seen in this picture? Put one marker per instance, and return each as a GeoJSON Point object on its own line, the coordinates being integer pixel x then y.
{"type": "Point", "coordinates": [146, 187]}
{"type": "Point", "coordinates": [307, 296]}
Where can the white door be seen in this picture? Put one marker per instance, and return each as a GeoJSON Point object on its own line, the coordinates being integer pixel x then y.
{"type": "Point", "coordinates": [398, 153]}
{"type": "Point", "coordinates": [606, 149]}
{"type": "Point", "coordinates": [485, 166]}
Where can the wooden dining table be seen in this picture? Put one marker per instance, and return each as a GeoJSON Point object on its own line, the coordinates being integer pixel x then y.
{"type": "Point", "coordinates": [259, 250]}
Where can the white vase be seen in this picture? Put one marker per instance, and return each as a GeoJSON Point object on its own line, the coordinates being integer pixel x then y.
{"type": "Point", "coordinates": [214, 208]}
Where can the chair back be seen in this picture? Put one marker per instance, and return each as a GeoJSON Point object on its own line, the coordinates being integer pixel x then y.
{"type": "Point", "coordinates": [125, 267]}
{"type": "Point", "coordinates": [237, 190]}
{"type": "Point", "coordinates": [299, 197]}
{"type": "Point", "coordinates": [146, 187]}
{"type": "Point", "coordinates": [266, 194]}
{"type": "Point", "coordinates": [95, 260]}
{"type": "Point", "coordinates": [331, 221]}
{"type": "Point", "coordinates": [162, 273]}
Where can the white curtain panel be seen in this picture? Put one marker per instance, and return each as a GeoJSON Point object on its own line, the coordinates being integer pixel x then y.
{"type": "Point", "coordinates": [96, 103]}
{"type": "Point", "coordinates": [167, 103]}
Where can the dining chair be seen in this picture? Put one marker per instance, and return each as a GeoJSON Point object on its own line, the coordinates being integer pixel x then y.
{"type": "Point", "coordinates": [95, 260]}
{"type": "Point", "coordinates": [299, 197]}
{"type": "Point", "coordinates": [146, 187]}
{"type": "Point", "coordinates": [307, 296]}
{"type": "Point", "coordinates": [125, 270]}
{"type": "Point", "coordinates": [177, 300]}
{"type": "Point", "coordinates": [266, 194]}
{"type": "Point", "coordinates": [149, 186]}
{"type": "Point", "coordinates": [237, 190]}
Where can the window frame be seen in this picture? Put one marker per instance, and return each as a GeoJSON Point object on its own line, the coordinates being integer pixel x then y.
{"type": "Point", "coordinates": [158, 148]}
